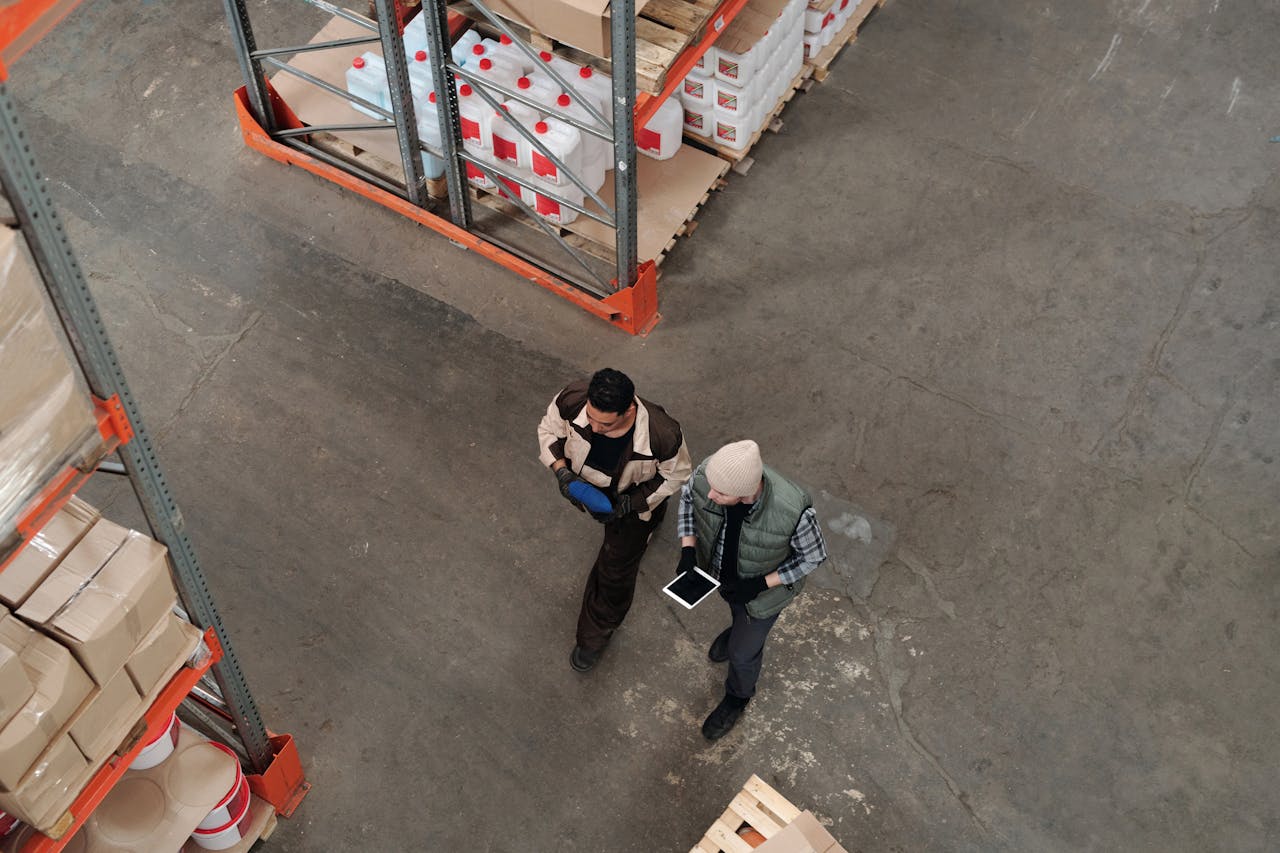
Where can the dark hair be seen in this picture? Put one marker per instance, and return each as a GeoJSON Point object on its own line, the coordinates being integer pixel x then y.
{"type": "Point", "coordinates": [611, 391]}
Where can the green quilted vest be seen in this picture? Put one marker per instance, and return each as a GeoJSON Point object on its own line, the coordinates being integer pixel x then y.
{"type": "Point", "coordinates": [766, 534]}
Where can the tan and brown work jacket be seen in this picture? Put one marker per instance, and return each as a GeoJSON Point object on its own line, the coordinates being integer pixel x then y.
{"type": "Point", "coordinates": [655, 466]}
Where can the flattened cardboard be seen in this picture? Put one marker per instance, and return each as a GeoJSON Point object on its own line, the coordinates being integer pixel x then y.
{"type": "Point", "coordinates": [15, 687]}
{"type": "Point", "coordinates": [802, 835]}
{"type": "Point", "coordinates": [750, 25]}
{"type": "Point", "coordinates": [49, 787]}
{"type": "Point", "coordinates": [44, 551]}
{"type": "Point", "coordinates": [157, 809]}
{"type": "Point", "coordinates": [61, 686]}
{"type": "Point", "coordinates": [260, 814]}
{"type": "Point", "coordinates": [669, 190]}
{"type": "Point", "coordinates": [582, 23]}
{"type": "Point", "coordinates": [105, 616]}
{"type": "Point", "coordinates": [97, 726]}
{"type": "Point", "coordinates": [162, 652]}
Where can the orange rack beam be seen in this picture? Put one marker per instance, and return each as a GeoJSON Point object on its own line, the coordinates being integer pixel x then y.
{"type": "Point", "coordinates": [105, 779]}
{"type": "Point", "coordinates": [24, 23]}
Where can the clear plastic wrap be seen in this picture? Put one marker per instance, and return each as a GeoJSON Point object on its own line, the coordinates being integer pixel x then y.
{"type": "Point", "coordinates": [46, 412]}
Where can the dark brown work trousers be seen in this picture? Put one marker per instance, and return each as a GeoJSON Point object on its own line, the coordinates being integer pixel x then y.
{"type": "Point", "coordinates": [612, 582]}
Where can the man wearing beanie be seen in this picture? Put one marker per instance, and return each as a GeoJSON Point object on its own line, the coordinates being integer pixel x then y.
{"type": "Point", "coordinates": [756, 531]}
{"type": "Point", "coordinates": [632, 450]}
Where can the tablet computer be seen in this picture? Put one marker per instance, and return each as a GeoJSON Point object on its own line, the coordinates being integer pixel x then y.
{"type": "Point", "coordinates": [691, 587]}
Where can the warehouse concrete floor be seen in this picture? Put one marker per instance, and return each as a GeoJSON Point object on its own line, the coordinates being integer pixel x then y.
{"type": "Point", "coordinates": [1005, 286]}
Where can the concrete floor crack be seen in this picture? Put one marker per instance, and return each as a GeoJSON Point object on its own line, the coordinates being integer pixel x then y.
{"type": "Point", "coordinates": [234, 339]}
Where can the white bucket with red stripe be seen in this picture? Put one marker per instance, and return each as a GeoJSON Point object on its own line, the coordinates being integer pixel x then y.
{"type": "Point", "coordinates": [159, 747]}
{"type": "Point", "coordinates": [234, 802]}
{"type": "Point", "coordinates": [229, 820]}
{"type": "Point", "coordinates": [7, 824]}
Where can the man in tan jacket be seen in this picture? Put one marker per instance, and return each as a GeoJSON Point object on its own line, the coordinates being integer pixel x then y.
{"type": "Point", "coordinates": [632, 450]}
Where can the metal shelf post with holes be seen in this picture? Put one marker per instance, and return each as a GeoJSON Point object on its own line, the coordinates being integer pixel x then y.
{"type": "Point", "coordinates": [276, 774]}
{"type": "Point", "coordinates": [602, 249]}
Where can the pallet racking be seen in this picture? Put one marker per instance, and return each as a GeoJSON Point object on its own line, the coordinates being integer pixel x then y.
{"type": "Point", "coordinates": [276, 772]}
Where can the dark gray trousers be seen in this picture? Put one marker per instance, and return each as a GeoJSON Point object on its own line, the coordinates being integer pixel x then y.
{"type": "Point", "coordinates": [746, 651]}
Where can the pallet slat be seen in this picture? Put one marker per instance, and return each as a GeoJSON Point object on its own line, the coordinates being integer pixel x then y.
{"type": "Point", "coordinates": [757, 805]}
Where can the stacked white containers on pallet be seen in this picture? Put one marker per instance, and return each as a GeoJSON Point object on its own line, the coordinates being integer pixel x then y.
{"type": "Point", "coordinates": [729, 96]}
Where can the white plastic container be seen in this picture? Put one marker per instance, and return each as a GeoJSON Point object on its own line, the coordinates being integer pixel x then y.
{"type": "Point", "coordinates": [367, 78]}
{"type": "Point", "coordinates": [227, 835]}
{"type": "Point", "coordinates": [159, 747]}
{"type": "Point", "coordinates": [475, 176]}
{"type": "Point", "coordinates": [548, 207]}
{"type": "Point", "coordinates": [597, 153]}
{"type": "Point", "coordinates": [415, 34]}
{"type": "Point", "coordinates": [505, 48]}
{"type": "Point", "coordinates": [566, 69]}
{"type": "Point", "coordinates": [235, 801]}
{"type": "Point", "coordinates": [813, 19]}
{"type": "Point", "coordinates": [812, 45]}
{"type": "Point", "coordinates": [495, 69]}
{"type": "Point", "coordinates": [699, 120]}
{"type": "Point", "coordinates": [662, 136]}
{"type": "Point", "coordinates": [422, 80]}
{"type": "Point", "coordinates": [461, 49]}
{"type": "Point", "coordinates": [734, 130]}
{"type": "Point", "coordinates": [737, 100]}
{"type": "Point", "coordinates": [706, 65]}
{"type": "Point", "coordinates": [540, 88]}
{"type": "Point", "coordinates": [562, 140]}
{"type": "Point", "coordinates": [597, 83]}
{"type": "Point", "coordinates": [473, 115]}
{"type": "Point", "coordinates": [429, 132]}
{"type": "Point", "coordinates": [737, 68]}
{"type": "Point", "coordinates": [697, 92]}
{"type": "Point", "coordinates": [504, 140]}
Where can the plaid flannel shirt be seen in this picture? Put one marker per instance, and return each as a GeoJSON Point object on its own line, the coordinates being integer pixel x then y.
{"type": "Point", "coordinates": [808, 549]}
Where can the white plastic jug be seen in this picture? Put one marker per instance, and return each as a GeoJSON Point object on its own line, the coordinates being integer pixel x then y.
{"type": "Point", "coordinates": [367, 78]}
{"type": "Point", "coordinates": [737, 68]}
{"type": "Point", "coordinates": [697, 92]}
{"type": "Point", "coordinates": [495, 69]}
{"type": "Point", "coordinates": [566, 69]}
{"type": "Point", "coordinates": [706, 64]}
{"type": "Point", "coordinates": [461, 50]}
{"type": "Point", "coordinates": [812, 45]}
{"type": "Point", "coordinates": [473, 115]}
{"type": "Point", "coordinates": [549, 207]}
{"type": "Point", "coordinates": [699, 120]}
{"type": "Point", "coordinates": [505, 48]}
{"type": "Point", "coordinates": [737, 100]}
{"type": "Point", "coordinates": [597, 153]}
{"type": "Point", "coordinates": [474, 175]}
{"type": "Point", "coordinates": [734, 130]}
{"type": "Point", "coordinates": [422, 80]}
{"type": "Point", "coordinates": [429, 132]}
{"type": "Point", "coordinates": [562, 140]}
{"type": "Point", "coordinates": [504, 140]}
{"type": "Point", "coordinates": [597, 83]}
{"type": "Point", "coordinates": [661, 137]}
{"type": "Point", "coordinates": [415, 35]}
{"type": "Point", "coordinates": [540, 88]}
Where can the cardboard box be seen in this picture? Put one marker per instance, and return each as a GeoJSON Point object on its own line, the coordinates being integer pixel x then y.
{"type": "Point", "coordinates": [581, 23]}
{"type": "Point", "coordinates": [750, 25]}
{"type": "Point", "coordinates": [15, 687]}
{"type": "Point", "coordinates": [46, 549]}
{"type": "Point", "coordinates": [102, 615]}
{"type": "Point", "coordinates": [49, 787]}
{"type": "Point", "coordinates": [46, 414]}
{"type": "Point", "coordinates": [802, 835]}
{"type": "Point", "coordinates": [162, 652]}
{"type": "Point", "coordinates": [106, 717]}
{"type": "Point", "coordinates": [61, 686]}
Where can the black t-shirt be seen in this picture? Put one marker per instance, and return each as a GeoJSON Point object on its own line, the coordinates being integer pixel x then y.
{"type": "Point", "coordinates": [606, 452]}
{"type": "Point", "coordinates": [734, 516]}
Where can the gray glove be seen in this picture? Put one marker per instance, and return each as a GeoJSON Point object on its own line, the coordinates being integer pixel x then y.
{"type": "Point", "coordinates": [565, 476]}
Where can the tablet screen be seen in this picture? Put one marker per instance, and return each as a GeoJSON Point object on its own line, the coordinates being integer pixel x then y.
{"type": "Point", "coordinates": [691, 587]}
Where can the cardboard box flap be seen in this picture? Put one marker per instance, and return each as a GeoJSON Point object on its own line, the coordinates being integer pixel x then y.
{"type": "Point", "coordinates": [750, 25]}
{"type": "Point", "coordinates": [803, 835]}
{"type": "Point", "coordinates": [78, 567]}
{"type": "Point", "coordinates": [46, 549]}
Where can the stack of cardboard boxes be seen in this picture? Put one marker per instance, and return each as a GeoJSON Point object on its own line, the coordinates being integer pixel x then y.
{"type": "Point", "coordinates": [88, 639]}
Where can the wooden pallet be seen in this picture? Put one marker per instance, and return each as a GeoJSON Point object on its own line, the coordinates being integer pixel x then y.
{"type": "Point", "coordinates": [664, 28]}
{"type": "Point", "coordinates": [742, 161]}
{"type": "Point", "coordinates": [821, 63]}
{"type": "Point", "coordinates": [757, 805]}
{"type": "Point", "coordinates": [367, 160]}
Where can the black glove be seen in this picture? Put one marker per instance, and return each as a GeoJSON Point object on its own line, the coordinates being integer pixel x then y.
{"type": "Point", "coordinates": [621, 507]}
{"type": "Point", "coordinates": [565, 476]}
{"type": "Point", "coordinates": [688, 559]}
{"type": "Point", "coordinates": [746, 590]}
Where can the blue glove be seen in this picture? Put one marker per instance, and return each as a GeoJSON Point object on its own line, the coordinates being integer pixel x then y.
{"type": "Point", "coordinates": [590, 497]}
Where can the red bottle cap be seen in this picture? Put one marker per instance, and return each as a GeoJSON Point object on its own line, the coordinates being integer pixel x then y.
{"type": "Point", "coordinates": [486, 64]}
{"type": "Point", "coordinates": [562, 101]}
{"type": "Point", "coordinates": [541, 127]}
{"type": "Point", "coordinates": [464, 90]}
{"type": "Point", "coordinates": [545, 55]}
{"type": "Point", "coordinates": [585, 72]}
{"type": "Point", "coordinates": [431, 96]}
{"type": "Point", "coordinates": [524, 82]}
{"type": "Point", "coordinates": [420, 56]}
{"type": "Point", "coordinates": [477, 49]}
{"type": "Point", "coordinates": [504, 39]}
{"type": "Point", "coordinates": [358, 62]}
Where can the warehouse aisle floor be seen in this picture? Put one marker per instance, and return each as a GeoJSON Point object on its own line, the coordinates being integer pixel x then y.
{"type": "Point", "coordinates": [1005, 283]}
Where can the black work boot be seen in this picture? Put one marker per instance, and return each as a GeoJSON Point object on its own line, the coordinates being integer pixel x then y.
{"type": "Point", "coordinates": [723, 718]}
{"type": "Point", "coordinates": [582, 659]}
{"type": "Point", "coordinates": [719, 651]}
